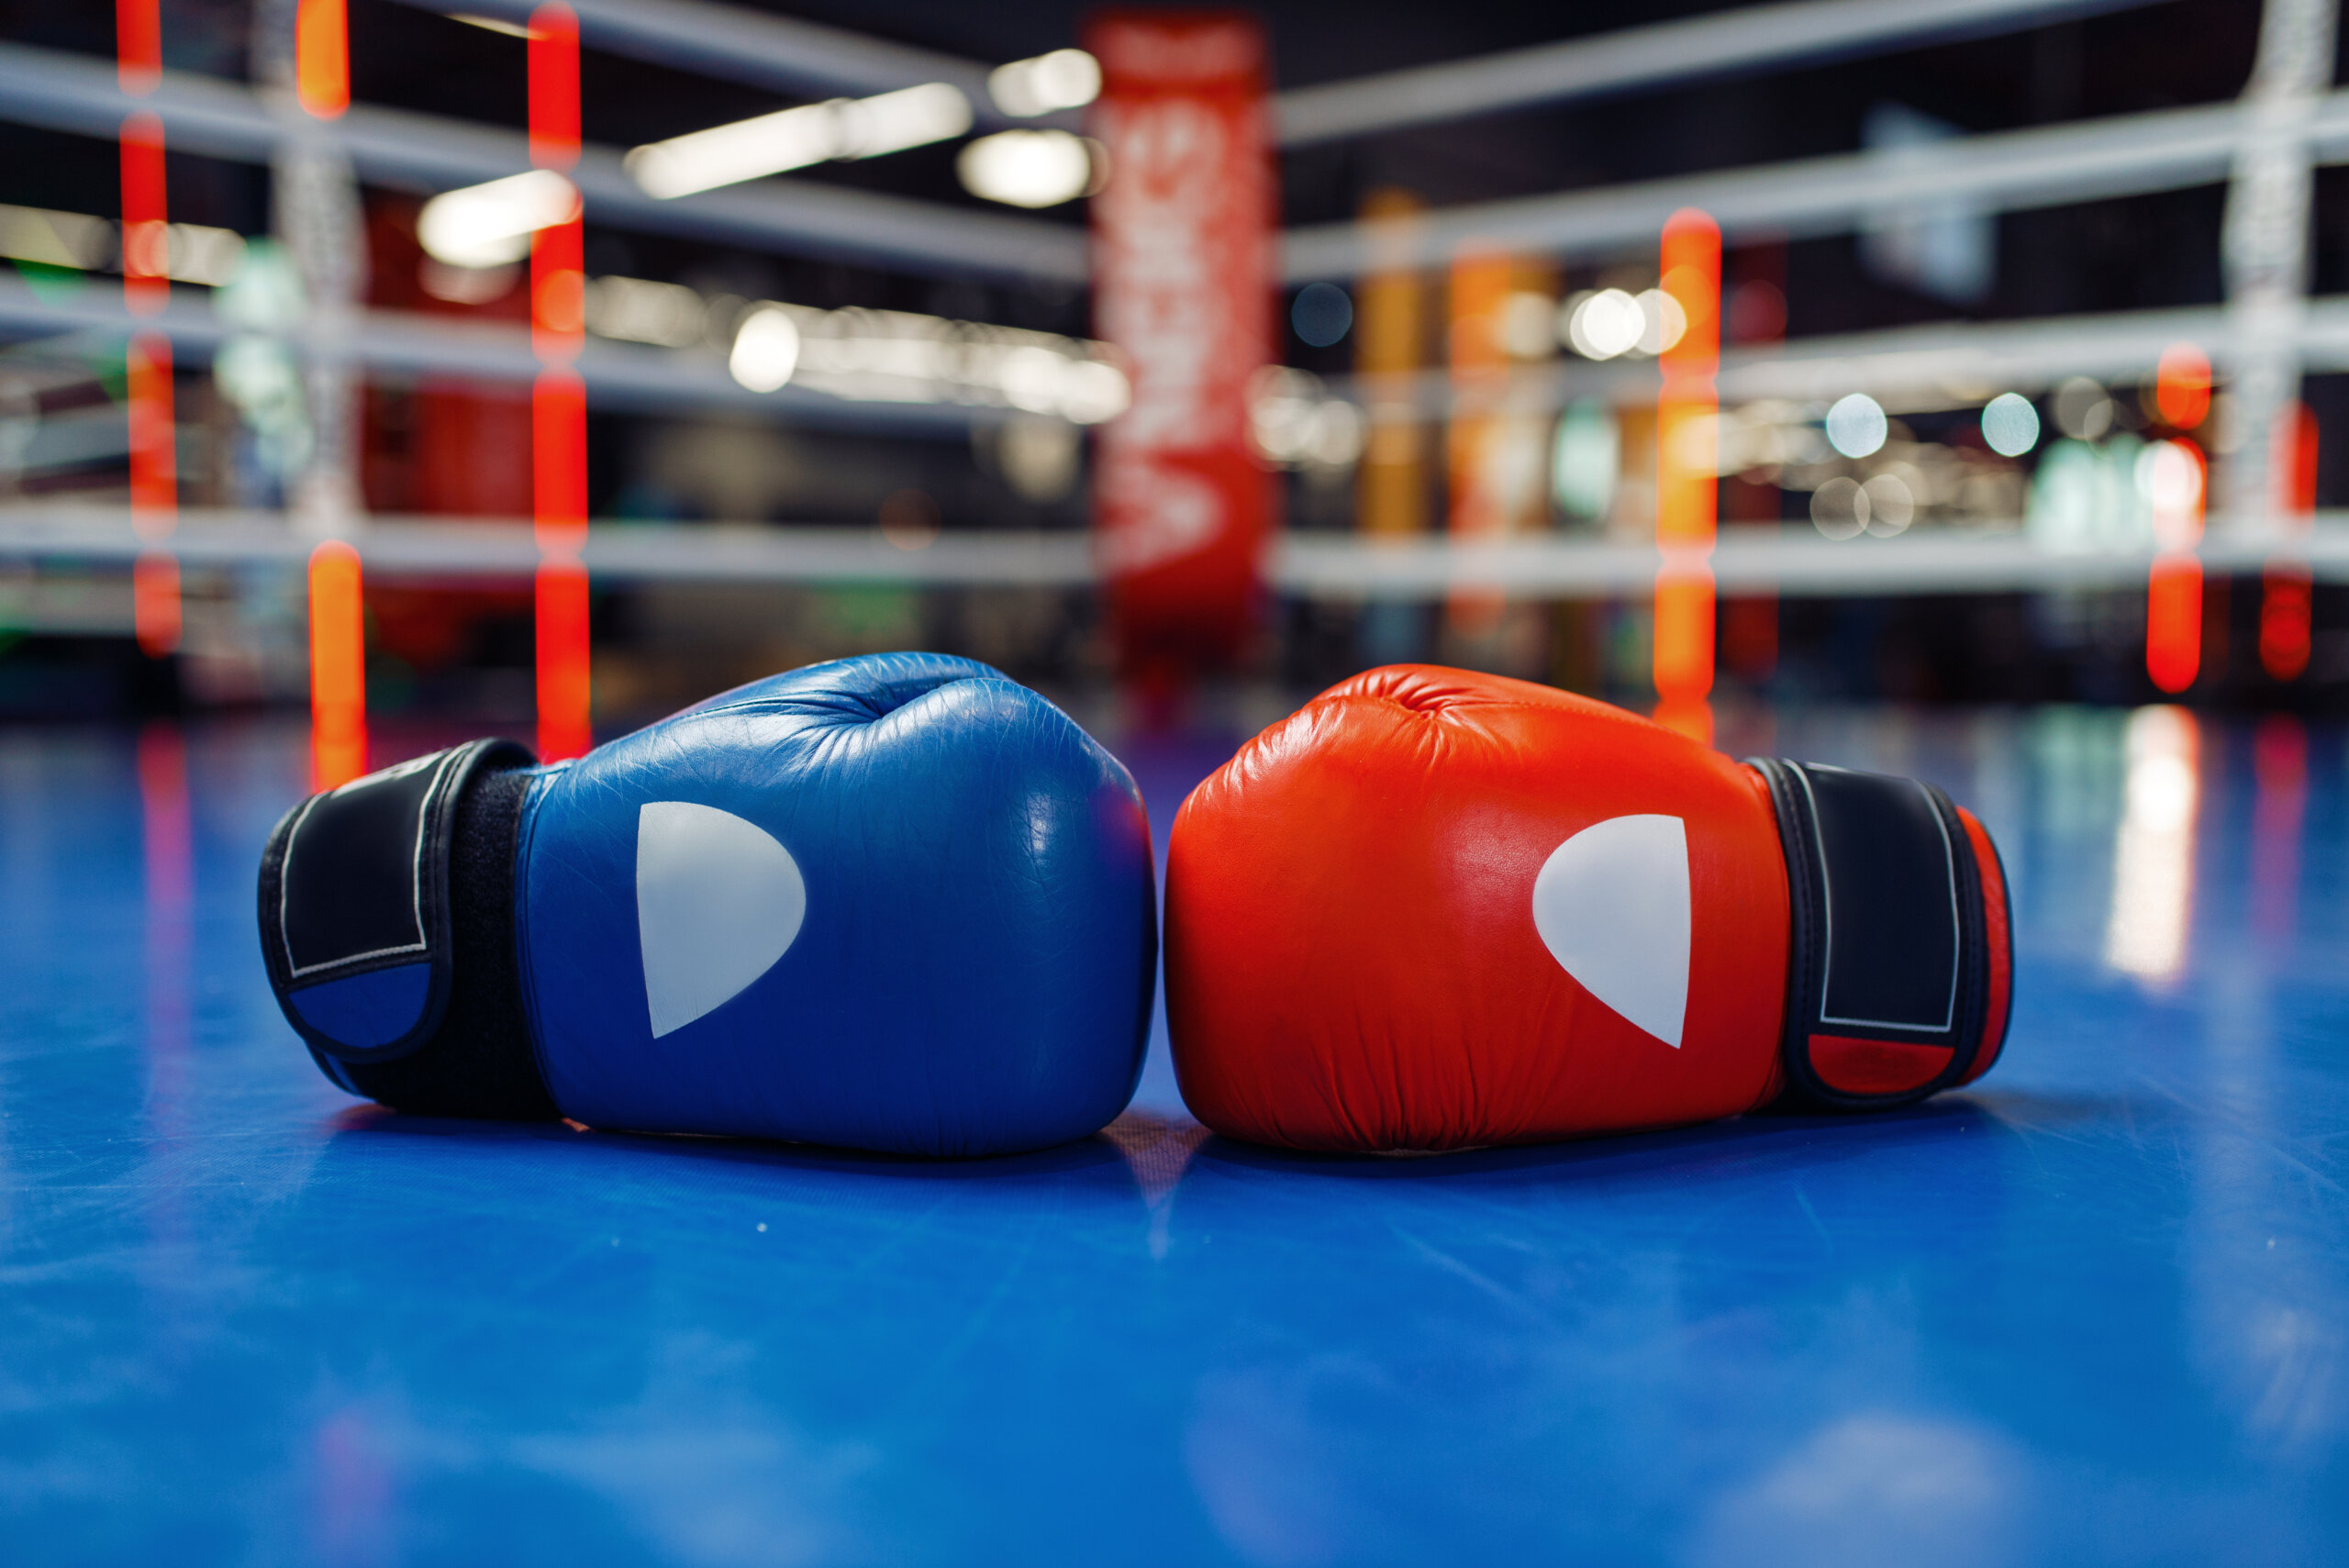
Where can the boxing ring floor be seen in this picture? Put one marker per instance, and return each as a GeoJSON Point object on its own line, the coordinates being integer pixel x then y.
{"type": "Point", "coordinates": [2096, 1310]}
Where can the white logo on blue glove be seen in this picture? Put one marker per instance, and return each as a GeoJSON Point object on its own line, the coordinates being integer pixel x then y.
{"type": "Point", "coordinates": [717, 902]}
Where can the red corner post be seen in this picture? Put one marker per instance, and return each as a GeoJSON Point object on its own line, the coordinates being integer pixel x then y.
{"type": "Point", "coordinates": [1687, 480]}
{"type": "Point", "coordinates": [559, 399]}
{"type": "Point", "coordinates": [2288, 587]}
{"type": "Point", "coordinates": [147, 361]}
{"type": "Point", "coordinates": [1183, 286]}
{"type": "Point", "coordinates": [2179, 474]}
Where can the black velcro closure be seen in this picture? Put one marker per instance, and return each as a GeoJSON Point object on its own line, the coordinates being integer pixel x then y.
{"type": "Point", "coordinates": [480, 1062]}
{"type": "Point", "coordinates": [355, 923]}
{"type": "Point", "coordinates": [1886, 965]}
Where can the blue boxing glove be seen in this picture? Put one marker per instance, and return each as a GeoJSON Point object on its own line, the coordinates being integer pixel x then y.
{"type": "Point", "coordinates": [898, 902]}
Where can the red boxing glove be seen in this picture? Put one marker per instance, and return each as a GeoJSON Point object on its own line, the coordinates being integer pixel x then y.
{"type": "Point", "coordinates": [1434, 909]}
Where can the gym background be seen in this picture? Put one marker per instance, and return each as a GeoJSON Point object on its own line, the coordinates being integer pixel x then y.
{"type": "Point", "coordinates": [927, 470]}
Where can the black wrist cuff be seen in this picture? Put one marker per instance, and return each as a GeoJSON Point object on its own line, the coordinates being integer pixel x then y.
{"type": "Point", "coordinates": [1887, 967]}
{"type": "Point", "coordinates": [387, 924]}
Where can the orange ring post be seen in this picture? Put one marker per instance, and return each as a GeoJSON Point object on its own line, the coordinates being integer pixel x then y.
{"type": "Point", "coordinates": [322, 58]}
{"type": "Point", "coordinates": [1688, 484]}
{"type": "Point", "coordinates": [338, 603]}
{"type": "Point", "coordinates": [338, 667]}
{"type": "Point", "coordinates": [1480, 281]}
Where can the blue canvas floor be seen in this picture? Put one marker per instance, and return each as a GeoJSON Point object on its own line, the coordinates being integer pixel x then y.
{"type": "Point", "coordinates": [2095, 1310]}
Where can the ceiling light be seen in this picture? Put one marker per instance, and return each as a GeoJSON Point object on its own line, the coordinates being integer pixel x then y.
{"type": "Point", "coordinates": [185, 253]}
{"type": "Point", "coordinates": [1892, 507]}
{"type": "Point", "coordinates": [1661, 321]}
{"type": "Point", "coordinates": [794, 139]}
{"type": "Point", "coordinates": [1091, 390]}
{"type": "Point", "coordinates": [912, 117]}
{"type": "Point", "coordinates": [491, 224]}
{"type": "Point", "coordinates": [1839, 508]}
{"type": "Point", "coordinates": [1027, 168]}
{"type": "Point", "coordinates": [641, 311]}
{"type": "Point", "coordinates": [2169, 476]}
{"type": "Point", "coordinates": [1857, 427]}
{"type": "Point", "coordinates": [2010, 424]}
{"type": "Point", "coordinates": [727, 154]}
{"type": "Point", "coordinates": [2082, 409]}
{"type": "Point", "coordinates": [1065, 78]}
{"type": "Point", "coordinates": [766, 350]}
{"type": "Point", "coordinates": [1603, 324]}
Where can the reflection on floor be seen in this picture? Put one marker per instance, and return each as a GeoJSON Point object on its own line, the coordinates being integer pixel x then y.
{"type": "Point", "coordinates": [2097, 1309]}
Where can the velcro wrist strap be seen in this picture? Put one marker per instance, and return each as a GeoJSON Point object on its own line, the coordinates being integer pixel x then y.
{"type": "Point", "coordinates": [1887, 969]}
{"type": "Point", "coordinates": [355, 904]}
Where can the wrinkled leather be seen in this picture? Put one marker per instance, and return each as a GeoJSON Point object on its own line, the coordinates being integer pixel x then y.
{"type": "Point", "coordinates": [1352, 958]}
{"type": "Point", "coordinates": [976, 968]}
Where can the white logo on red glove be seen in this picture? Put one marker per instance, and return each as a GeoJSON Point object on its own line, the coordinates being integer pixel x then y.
{"type": "Point", "coordinates": [1611, 904]}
